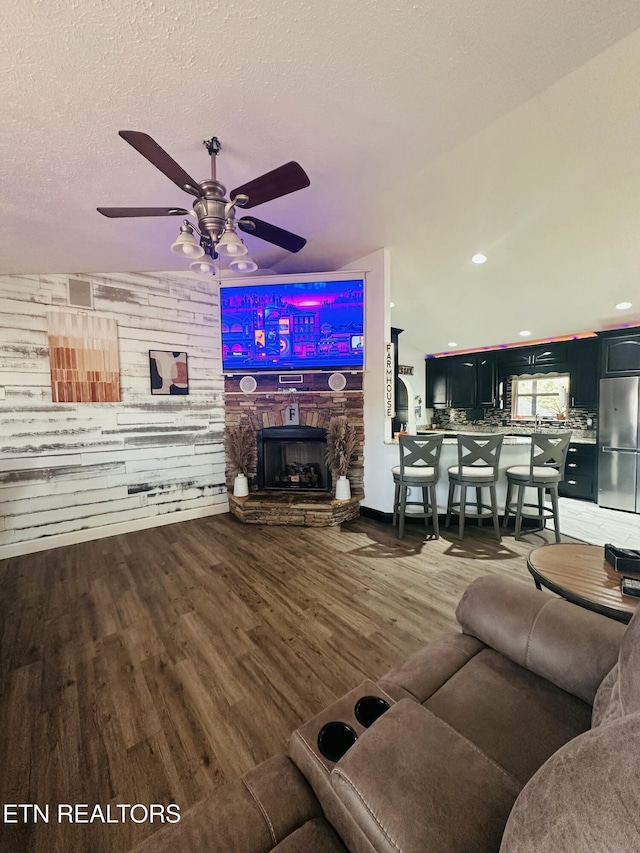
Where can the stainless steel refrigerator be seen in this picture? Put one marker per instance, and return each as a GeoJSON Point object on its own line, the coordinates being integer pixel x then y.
{"type": "Point", "coordinates": [619, 444]}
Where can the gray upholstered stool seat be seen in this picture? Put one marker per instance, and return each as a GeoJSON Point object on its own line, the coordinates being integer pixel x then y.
{"type": "Point", "coordinates": [536, 474]}
{"type": "Point", "coordinates": [543, 473]}
{"type": "Point", "coordinates": [414, 472]}
{"type": "Point", "coordinates": [478, 456]}
{"type": "Point", "coordinates": [419, 468]}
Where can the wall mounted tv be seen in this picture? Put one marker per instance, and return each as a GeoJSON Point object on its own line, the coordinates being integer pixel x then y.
{"type": "Point", "coordinates": [311, 325]}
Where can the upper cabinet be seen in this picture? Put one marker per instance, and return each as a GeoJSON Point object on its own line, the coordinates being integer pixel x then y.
{"type": "Point", "coordinates": [472, 380]}
{"type": "Point", "coordinates": [487, 380]}
{"type": "Point", "coordinates": [546, 358]}
{"type": "Point", "coordinates": [621, 354]}
{"type": "Point", "coordinates": [437, 391]}
{"type": "Point", "coordinates": [584, 358]}
{"type": "Point", "coordinates": [462, 381]}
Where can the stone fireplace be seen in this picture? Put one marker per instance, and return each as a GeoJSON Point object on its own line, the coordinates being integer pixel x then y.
{"type": "Point", "coordinates": [292, 458]}
{"type": "Point", "coordinates": [290, 483]}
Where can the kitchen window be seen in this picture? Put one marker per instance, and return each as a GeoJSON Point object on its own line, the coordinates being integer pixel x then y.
{"type": "Point", "coordinates": [536, 398]}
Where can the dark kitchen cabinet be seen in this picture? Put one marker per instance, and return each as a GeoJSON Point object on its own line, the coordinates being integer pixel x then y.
{"type": "Point", "coordinates": [462, 381]}
{"type": "Point", "coordinates": [621, 354]}
{"type": "Point", "coordinates": [584, 374]}
{"type": "Point", "coordinates": [554, 354]}
{"type": "Point", "coordinates": [512, 362]}
{"type": "Point", "coordinates": [580, 472]}
{"type": "Point", "coordinates": [437, 391]}
{"type": "Point", "coordinates": [487, 380]}
{"type": "Point", "coordinates": [546, 358]}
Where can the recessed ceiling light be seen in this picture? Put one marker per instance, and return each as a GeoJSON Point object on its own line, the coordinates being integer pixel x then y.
{"type": "Point", "coordinates": [479, 258]}
{"type": "Point", "coordinates": [452, 344]}
{"type": "Point", "coordinates": [622, 306]}
{"type": "Point", "coordinates": [392, 305]}
{"type": "Point", "coordinates": [525, 333]}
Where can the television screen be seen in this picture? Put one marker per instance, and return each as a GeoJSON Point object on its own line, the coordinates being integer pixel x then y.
{"type": "Point", "coordinates": [293, 326]}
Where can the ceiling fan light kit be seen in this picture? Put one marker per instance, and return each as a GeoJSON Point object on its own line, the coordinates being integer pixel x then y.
{"type": "Point", "coordinates": [186, 243]}
{"type": "Point", "coordinates": [217, 223]}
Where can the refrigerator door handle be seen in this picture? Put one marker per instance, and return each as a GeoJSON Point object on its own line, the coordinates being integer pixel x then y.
{"type": "Point", "coordinates": [617, 450]}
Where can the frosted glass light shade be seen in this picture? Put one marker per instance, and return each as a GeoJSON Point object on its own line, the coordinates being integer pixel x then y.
{"type": "Point", "coordinates": [243, 264]}
{"type": "Point", "coordinates": [202, 266]}
{"type": "Point", "coordinates": [186, 243]}
{"type": "Point", "coordinates": [230, 245]}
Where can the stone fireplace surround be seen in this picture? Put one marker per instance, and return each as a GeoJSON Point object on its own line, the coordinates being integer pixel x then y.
{"type": "Point", "coordinates": [318, 403]}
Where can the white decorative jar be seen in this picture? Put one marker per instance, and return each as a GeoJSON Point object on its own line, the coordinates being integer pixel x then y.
{"type": "Point", "coordinates": [343, 489]}
{"type": "Point", "coordinates": [241, 486]}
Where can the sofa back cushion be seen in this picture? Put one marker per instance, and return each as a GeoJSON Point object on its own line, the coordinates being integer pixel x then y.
{"type": "Point", "coordinates": [584, 798]}
{"type": "Point", "coordinates": [566, 644]}
{"type": "Point", "coordinates": [619, 693]}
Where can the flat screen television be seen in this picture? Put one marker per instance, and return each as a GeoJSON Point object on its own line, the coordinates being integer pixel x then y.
{"type": "Point", "coordinates": [311, 325]}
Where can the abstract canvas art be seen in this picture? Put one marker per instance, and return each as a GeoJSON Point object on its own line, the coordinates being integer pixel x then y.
{"type": "Point", "coordinates": [169, 373]}
{"type": "Point", "coordinates": [83, 355]}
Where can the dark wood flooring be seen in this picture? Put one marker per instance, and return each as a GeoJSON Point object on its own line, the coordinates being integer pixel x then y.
{"type": "Point", "coordinates": [154, 666]}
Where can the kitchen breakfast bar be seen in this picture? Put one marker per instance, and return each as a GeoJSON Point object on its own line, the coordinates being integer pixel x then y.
{"type": "Point", "coordinates": [516, 450]}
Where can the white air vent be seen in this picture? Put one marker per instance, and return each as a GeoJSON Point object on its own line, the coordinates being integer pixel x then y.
{"type": "Point", "coordinates": [80, 293]}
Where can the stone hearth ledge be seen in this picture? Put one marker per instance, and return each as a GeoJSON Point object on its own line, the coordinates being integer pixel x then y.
{"type": "Point", "coordinates": [296, 509]}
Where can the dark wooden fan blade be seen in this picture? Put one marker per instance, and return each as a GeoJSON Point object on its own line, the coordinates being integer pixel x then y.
{"type": "Point", "coordinates": [150, 149]}
{"type": "Point", "coordinates": [119, 212]}
{"type": "Point", "coordinates": [271, 233]}
{"type": "Point", "coordinates": [281, 181]}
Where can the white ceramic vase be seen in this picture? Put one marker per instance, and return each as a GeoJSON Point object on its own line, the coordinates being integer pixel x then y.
{"type": "Point", "coordinates": [343, 489]}
{"type": "Point", "coordinates": [241, 486]}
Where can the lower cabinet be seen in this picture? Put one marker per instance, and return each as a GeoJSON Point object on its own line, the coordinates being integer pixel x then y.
{"type": "Point", "coordinates": [580, 473]}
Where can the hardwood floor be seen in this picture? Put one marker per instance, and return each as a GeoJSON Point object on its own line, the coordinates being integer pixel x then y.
{"type": "Point", "coordinates": [152, 667]}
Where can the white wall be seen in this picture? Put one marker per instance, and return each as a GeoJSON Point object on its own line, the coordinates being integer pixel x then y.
{"type": "Point", "coordinates": [378, 483]}
{"type": "Point", "coordinates": [76, 471]}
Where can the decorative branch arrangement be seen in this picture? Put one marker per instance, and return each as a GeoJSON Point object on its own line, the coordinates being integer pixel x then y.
{"type": "Point", "coordinates": [240, 447]}
{"type": "Point", "coordinates": [341, 445]}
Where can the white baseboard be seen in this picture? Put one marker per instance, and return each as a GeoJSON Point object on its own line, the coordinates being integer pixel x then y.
{"type": "Point", "coordinates": [60, 540]}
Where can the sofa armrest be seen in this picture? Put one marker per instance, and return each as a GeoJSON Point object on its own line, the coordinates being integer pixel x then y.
{"type": "Point", "coordinates": [413, 783]}
{"type": "Point", "coordinates": [268, 806]}
{"type": "Point", "coordinates": [568, 645]}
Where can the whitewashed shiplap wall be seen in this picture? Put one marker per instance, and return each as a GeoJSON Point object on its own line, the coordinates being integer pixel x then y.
{"type": "Point", "coordinates": [77, 471]}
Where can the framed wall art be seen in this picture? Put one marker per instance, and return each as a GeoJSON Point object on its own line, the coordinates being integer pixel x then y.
{"type": "Point", "coordinates": [168, 371]}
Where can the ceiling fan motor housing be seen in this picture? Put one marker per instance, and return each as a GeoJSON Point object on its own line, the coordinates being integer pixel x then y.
{"type": "Point", "coordinates": [210, 209]}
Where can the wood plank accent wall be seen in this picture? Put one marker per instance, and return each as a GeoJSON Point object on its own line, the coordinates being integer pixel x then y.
{"type": "Point", "coordinates": [76, 469]}
{"type": "Point", "coordinates": [318, 403]}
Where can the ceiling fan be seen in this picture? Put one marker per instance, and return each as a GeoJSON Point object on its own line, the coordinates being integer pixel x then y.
{"type": "Point", "coordinates": [216, 215]}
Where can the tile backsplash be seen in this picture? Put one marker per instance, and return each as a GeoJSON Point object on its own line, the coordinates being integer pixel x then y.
{"type": "Point", "coordinates": [456, 418]}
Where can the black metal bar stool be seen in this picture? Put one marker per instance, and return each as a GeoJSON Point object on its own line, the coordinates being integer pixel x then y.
{"type": "Point", "coordinates": [477, 468]}
{"type": "Point", "coordinates": [544, 472]}
{"type": "Point", "coordinates": [419, 468]}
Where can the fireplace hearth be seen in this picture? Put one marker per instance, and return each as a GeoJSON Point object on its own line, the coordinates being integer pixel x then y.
{"type": "Point", "coordinates": [292, 459]}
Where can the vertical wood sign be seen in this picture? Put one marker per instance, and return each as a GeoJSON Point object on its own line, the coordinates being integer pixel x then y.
{"type": "Point", "coordinates": [389, 387]}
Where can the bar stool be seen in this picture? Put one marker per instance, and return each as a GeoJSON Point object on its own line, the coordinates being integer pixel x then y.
{"type": "Point", "coordinates": [419, 468]}
{"type": "Point", "coordinates": [544, 471]}
{"type": "Point", "coordinates": [477, 467]}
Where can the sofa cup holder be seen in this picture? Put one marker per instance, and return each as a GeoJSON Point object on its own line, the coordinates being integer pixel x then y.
{"type": "Point", "coordinates": [368, 709]}
{"type": "Point", "coordinates": [335, 738]}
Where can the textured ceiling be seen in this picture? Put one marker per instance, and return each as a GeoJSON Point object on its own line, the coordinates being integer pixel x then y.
{"type": "Point", "coordinates": [423, 126]}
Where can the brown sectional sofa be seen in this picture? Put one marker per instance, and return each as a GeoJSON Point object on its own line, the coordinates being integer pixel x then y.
{"type": "Point", "coordinates": [488, 744]}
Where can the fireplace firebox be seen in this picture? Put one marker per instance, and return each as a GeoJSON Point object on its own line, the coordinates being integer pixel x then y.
{"type": "Point", "coordinates": [292, 458]}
